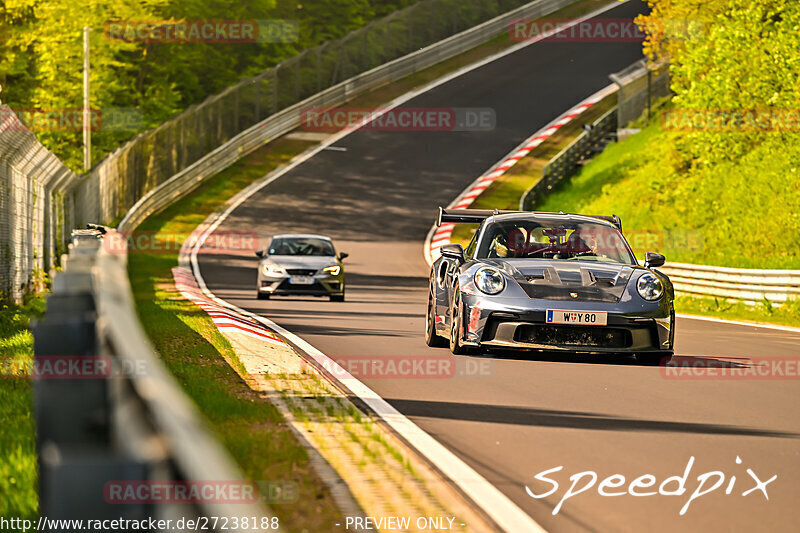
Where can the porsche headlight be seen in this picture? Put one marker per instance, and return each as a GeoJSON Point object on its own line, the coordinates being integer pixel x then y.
{"type": "Point", "coordinates": [650, 287]}
{"type": "Point", "coordinates": [489, 280]}
{"type": "Point", "coordinates": [332, 270]}
{"type": "Point", "coordinates": [273, 270]}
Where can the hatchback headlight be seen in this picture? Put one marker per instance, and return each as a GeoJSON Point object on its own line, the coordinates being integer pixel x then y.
{"type": "Point", "coordinates": [489, 280]}
{"type": "Point", "coordinates": [273, 270]}
{"type": "Point", "coordinates": [650, 287]}
{"type": "Point", "coordinates": [332, 270]}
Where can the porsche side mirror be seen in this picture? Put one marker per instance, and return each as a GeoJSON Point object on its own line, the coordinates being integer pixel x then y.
{"type": "Point", "coordinates": [453, 251]}
{"type": "Point", "coordinates": [653, 260]}
{"type": "Point", "coordinates": [260, 253]}
{"type": "Point", "coordinates": [342, 256]}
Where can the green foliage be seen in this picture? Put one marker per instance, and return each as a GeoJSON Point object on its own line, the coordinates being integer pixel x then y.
{"type": "Point", "coordinates": [717, 195]}
{"type": "Point", "coordinates": [742, 214]}
{"type": "Point", "coordinates": [41, 57]}
{"type": "Point", "coordinates": [739, 56]}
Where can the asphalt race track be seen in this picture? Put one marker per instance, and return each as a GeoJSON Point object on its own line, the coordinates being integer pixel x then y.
{"type": "Point", "coordinates": [511, 417]}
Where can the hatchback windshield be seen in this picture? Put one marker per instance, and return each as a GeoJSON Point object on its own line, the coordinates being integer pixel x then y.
{"type": "Point", "coordinates": [301, 246]}
{"type": "Point", "coordinates": [554, 239]}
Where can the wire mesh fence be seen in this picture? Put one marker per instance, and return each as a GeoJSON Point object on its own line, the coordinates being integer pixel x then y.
{"type": "Point", "coordinates": [128, 173]}
{"type": "Point", "coordinates": [640, 85]}
{"type": "Point", "coordinates": [35, 207]}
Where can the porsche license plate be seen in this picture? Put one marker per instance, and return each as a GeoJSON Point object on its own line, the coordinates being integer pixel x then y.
{"type": "Point", "coordinates": [563, 316]}
{"type": "Point", "coordinates": [301, 280]}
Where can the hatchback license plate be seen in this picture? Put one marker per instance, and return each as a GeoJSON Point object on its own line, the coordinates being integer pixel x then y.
{"type": "Point", "coordinates": [564, 316]}
{"type": "Point", "coordinates": [301, 280]}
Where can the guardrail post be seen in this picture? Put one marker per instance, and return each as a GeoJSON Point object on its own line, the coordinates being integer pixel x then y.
{"type": "Point", "coordinates": [236, 108]}
{"type": "Point", "coordinates": [318, 51]}
{"type": "Point", "coordinates": [275, 88]}
{"type": "Point", "coordinates": [257, 97]}
{"type": "Point", "coordinates": [297, 61]}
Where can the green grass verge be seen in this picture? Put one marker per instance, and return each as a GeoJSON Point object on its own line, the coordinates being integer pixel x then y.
{"type": "Point", "coordinates": [762, 312]}
{"type": "Point", "coordinates": [738, 214]}
{"type": "Point", "coordinates": [18, 470]}
{"type": "Point", "coordinates": [200, 358]}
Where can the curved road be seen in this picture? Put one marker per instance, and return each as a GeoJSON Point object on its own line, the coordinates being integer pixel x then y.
{"type": "Point", "coordinates": [511, 417]}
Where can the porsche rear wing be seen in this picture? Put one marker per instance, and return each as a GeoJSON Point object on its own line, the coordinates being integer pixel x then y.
{"type": "Point", "coordinates": [476, 216]}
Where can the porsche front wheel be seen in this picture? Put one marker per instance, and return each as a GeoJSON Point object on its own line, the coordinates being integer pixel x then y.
{"type": "Point", "coordinates": [456, 323]}
{"type": "Point", "coordinates": [431, 337]}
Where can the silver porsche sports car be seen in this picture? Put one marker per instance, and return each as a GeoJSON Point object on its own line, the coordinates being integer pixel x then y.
{"type": "Point", "coordinates": [548, 281]}
{"type": "Point", "coordinates": [301, 265]}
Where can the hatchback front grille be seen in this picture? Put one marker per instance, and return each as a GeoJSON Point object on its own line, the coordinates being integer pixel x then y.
{"type": "Point", "coordinates": [300, 272]}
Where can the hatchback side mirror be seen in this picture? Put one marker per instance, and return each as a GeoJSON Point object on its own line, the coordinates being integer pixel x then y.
{"type": "Point", "coordinates": [260, 253]}
{"type": "Point", "coordinates": [653, 260]}
{"type": "Point", "coordinates": [453, 251]}
{"type": "Point", "coordinates": [342, 256]}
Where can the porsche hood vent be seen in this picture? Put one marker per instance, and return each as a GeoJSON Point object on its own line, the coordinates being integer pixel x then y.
{"type": "Point", "coordinates": [574, 282]}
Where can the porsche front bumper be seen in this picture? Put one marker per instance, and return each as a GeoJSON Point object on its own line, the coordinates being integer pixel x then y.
{"type": "Point", "coordinates": [646, 329]}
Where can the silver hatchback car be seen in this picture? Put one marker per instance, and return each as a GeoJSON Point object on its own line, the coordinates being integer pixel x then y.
{"type": "Point", "coordinates": [298, 264]}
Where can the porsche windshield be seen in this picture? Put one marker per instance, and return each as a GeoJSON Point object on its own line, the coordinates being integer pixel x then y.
{"type": "Point", "coordinates": [301, 246]}
{"type": "Point", "coordinates": [554, 239]}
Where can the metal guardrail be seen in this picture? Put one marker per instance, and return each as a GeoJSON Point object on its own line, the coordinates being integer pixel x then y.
{"type": "Point", "coordinates": [590, 142]}
{"type": "Point", "coordinates": [284, 121]}
{"type": "Point", "coordinates": [122, 417]}
{"type": "Point", "coordinates": [749, 285]}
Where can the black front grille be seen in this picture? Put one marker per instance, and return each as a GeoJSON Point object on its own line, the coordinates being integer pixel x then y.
{"type": "Point", "coordinates": [286, 286]}
{"type": "Point", "coordinates": [300, 271]}
{"type": "Point", "coordinates": [590, 336]}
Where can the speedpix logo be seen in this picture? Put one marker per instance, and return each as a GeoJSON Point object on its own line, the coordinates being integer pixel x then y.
{"type": "Point", "coordinates": [752, 483]}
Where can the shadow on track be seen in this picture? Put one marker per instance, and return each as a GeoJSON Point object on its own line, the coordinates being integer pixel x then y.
{"type": "Point", "coordinates": [525, 416]}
